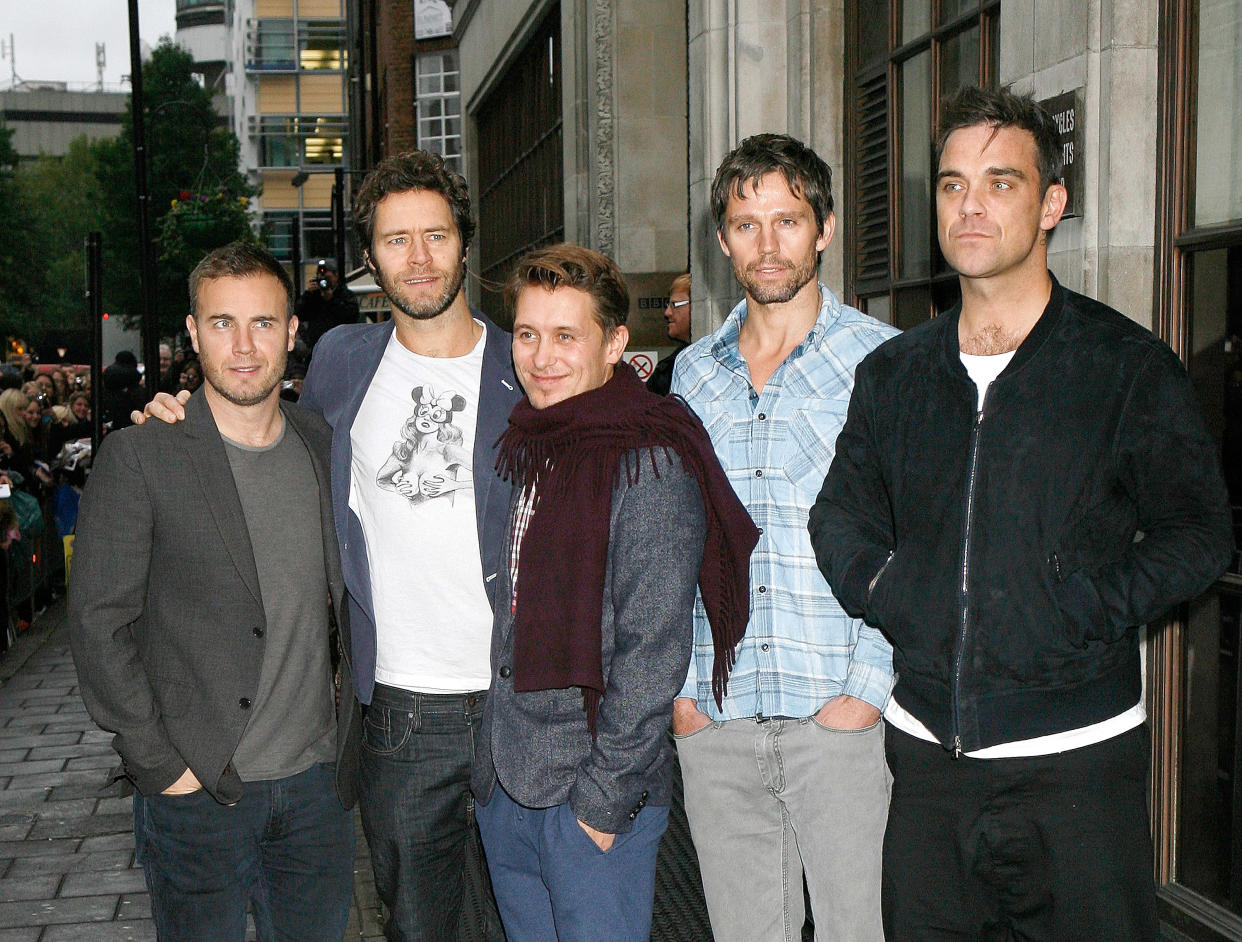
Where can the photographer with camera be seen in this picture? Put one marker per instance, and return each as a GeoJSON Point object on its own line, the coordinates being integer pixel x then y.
{"type": "Point", "coordinates": [326, 303]}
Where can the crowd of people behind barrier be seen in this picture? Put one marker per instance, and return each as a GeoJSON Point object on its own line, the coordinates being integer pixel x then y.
{"type": "Point", "coordinates": [45, 450]}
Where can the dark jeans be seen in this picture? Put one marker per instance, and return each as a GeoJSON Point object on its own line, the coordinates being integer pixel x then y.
{"type": "Point", "coordinates": [554, 883]}
{"type": "Point", "coordinates": [1049, 847]}
{"type": "Point", "coordinates": [286, 848]}
{"type": "Point", "coordinates": [418, 813]}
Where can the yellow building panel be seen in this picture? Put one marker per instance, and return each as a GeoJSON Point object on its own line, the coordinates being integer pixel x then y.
{"type": "Point", "coordinates": [319, 9]}
{"type": "Point", "coordinates": [278, 94]}
{"type": "Point", "coordinates": [264, 8]}
{"type": "Point", "coordinates": [278, 190]}
{"type": "Point", "coordinates": [317, 191]}
{"type": "Point", "coordinates": [322, 94]}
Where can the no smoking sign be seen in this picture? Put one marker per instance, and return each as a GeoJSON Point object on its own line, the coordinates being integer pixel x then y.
{"type": "Point", "coordinates": [642, 362]}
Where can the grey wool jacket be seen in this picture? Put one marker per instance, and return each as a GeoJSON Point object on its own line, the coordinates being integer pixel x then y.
{"type": "Point", "coordinates": [536, 744]}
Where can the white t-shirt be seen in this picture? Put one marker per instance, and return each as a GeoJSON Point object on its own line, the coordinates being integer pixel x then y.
{"type": "Point", "coordinates": [982, 371]}
{"type": "Point", "coordinates": [412, 487]}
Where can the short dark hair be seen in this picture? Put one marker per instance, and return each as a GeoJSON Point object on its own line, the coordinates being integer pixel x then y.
{"type": "Point", "coordinates": [239, 260]}
{"type": "Point", "coordinates": [572, 266]}
{"type": "Point", "coordinates": [413, 170]}
{"type": "Point", "coordinates": [999, 108]}
{"type": "Point", "coordinates": [805, 173]}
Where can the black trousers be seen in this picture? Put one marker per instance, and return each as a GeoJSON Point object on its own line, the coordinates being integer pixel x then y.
{"type": "Point", "coordinates": [1051, 848]}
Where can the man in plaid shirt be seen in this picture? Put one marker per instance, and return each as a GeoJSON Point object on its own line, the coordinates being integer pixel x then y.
{"type": "Point", "coordinates": [788, 777]}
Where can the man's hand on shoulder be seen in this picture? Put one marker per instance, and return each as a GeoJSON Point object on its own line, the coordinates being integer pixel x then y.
{"type": "Point", "coordinates": [602, 839]}
{"type": "Point", "coordinates": [165, 407]}
{"type": "Point", "coordinates": [847, 713]}
{"type": "Point", "coordinates": [187, 784]}
{"type": "Point", "coordinates": [687, 717]}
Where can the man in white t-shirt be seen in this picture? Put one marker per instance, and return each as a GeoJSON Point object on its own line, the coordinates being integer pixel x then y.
{"type": "Point", "coordinates": [1020, 484]}
{"type": "Point", "coordinates": [416, 406]}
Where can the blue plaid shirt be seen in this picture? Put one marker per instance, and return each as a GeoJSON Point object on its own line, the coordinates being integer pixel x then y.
{"type": "Point", "coordinates": [800, 648]}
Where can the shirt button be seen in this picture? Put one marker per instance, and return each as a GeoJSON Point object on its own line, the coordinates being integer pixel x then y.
{"type": "Point", "coordinates": [758, 472]}
{"type": "Point", "coordinates": [764, 646]}
{"type": "Point", "coordinates": [244, 703]}
{"type": "Point", "coordinates": [258, 632]}
{"type": "Point", "coordinates": [762, 416]}
{"type": "Point", "coordinates": [762, 589]}
{"type": "Point", "coordinates": [505, 671]}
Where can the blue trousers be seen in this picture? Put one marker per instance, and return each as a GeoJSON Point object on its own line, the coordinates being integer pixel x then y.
{"type": "Point", "coordinates": [286, 848]}
{"type": "Point", "coordinates": [554, 884]}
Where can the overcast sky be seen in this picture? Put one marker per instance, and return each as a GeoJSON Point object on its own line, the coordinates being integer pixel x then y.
{"type": "Point", "coordinates": [55, 39]}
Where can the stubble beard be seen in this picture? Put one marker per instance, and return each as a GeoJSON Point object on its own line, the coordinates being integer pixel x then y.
{"type": "Point", "coordinates": [244, 400]}
{"type": "Point", "coordinates": [784, 291]}
{"type": "Point", "coordinates": [421, 311]}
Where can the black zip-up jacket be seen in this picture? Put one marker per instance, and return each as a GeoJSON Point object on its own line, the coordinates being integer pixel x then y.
{"type": "Point", "coordinates": [1019, 546]}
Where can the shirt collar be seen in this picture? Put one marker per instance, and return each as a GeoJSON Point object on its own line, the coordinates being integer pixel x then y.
{"type": "Point", "coordinates": [725, 346]}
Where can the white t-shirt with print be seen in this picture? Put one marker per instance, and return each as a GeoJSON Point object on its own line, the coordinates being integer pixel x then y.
{"type": "Point", "coordinates": [412, 488]}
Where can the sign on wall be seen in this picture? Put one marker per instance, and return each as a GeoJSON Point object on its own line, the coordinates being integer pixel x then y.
{"type": "Point", "coordinates": [432, 18]}
{"type": "Point", "coordinates": [1066, 111]}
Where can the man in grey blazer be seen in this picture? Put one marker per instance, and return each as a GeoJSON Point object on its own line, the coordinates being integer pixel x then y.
{"type": "Point", "coordinates": [619, 490]}
{"type": "Point", "coordinates": [206, 612]}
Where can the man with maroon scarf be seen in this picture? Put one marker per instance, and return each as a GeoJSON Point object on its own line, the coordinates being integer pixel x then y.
{"type": "Point", "coordinates": [621, 509]}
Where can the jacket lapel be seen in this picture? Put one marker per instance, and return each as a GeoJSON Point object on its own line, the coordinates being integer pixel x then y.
{"type": "Point", "coordinates": [215, 476]}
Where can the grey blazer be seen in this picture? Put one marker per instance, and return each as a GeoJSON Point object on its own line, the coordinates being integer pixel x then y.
{"type": "Point", "coordinates": [537, 744]}
{"type": "Point", "coordinates": [165, 612]}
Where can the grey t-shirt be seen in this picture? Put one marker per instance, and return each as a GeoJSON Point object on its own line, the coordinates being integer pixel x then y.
{"type": "Point", "coordinates": [291, 719]}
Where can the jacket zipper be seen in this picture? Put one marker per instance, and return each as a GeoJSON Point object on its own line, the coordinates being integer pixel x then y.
{"type": "Point", "coordinates": [959, 652]}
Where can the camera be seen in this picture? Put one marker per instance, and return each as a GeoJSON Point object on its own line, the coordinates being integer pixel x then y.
{"type": "Point", "coordinates": [43, 401]}
{"type": "Point", "coordinates": [321, 275]}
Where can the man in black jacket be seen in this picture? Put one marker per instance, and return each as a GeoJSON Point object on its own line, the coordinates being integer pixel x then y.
{"type": "Point", "coordinates": [1020, 485]}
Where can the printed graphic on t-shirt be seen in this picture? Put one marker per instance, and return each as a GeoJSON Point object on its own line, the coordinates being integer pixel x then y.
{"type": "Point", "coordinates": [429, 460]}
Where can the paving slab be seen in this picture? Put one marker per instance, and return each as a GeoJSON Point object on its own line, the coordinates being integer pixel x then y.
{"type": "Point", "coordinates": [130, 930]}
{"type": "Point", "coordinates": [49, 911]}
{"type": "Point", "coordinates": [111, 881]}
{"type": "Point", "coordinates": [19, 888]}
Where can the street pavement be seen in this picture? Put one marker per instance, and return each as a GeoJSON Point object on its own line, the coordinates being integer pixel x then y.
{"type": "Point", "coordinates": [67, 869]}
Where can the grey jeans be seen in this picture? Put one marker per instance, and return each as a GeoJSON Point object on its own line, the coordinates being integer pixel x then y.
{"type": "Point", "coordinates": [768, 801]}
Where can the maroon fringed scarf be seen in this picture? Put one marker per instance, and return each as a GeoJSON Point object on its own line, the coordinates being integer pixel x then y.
{"type": "Point", "coordinates": [573, 453]}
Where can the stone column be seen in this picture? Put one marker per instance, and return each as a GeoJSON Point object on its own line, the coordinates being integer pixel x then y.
{"type": "Point", "coordinates": [755, 65]}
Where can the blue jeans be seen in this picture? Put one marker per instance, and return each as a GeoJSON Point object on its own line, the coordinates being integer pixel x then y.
{"type": "Point", "coordinates": [418, 813]}
{"type": "Point", "coordinates": [554, 883]}
{"type": "Point", "coordinates": [286, 848]}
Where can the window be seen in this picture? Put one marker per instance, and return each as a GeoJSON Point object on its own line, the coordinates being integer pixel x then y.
{"type": "Point", "coordinates": [438, 105]}
{"type": "Point", "coordinates": [294, 141]}
{"type": "Point", "coordinates": [903, 57]}
{"type": "Point", "coordinates": [521, 173]}
{"type": "Point", "coordinates": [283, 45]}
{"type": "Point", "coordinates": [281, 226]}
{"type": "Point", "coordinates": [321, 45]}
{"type": "Point", "coordinates": [1196, 660]}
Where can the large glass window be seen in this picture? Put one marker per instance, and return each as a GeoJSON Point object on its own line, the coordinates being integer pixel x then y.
{"type": "Point", "coordinates": [1196, 659]}
{"type": "Point", "coordinates": [1218, 130]}
{"type": "Point", "coordinates": [521, 161]}
{"type": "Point", "coordinates": [903, 57]}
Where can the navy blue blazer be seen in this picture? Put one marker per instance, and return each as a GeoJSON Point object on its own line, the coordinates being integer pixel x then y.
{"type": "Point", "coordinates": [344, 362]}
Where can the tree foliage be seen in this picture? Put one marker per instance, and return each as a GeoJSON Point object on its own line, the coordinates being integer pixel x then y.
{"type": "Point", "coordinates": [18, 284]}
{"type": "Point", "coordinates": [189, 152]}
{"type": "Point", "coordinates": [198, 200]}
